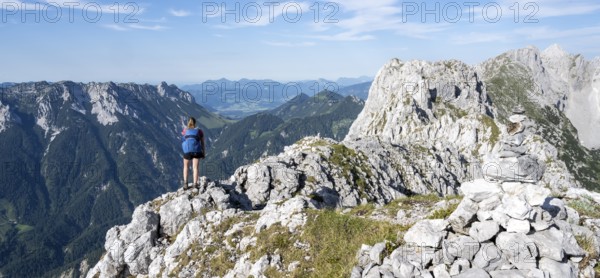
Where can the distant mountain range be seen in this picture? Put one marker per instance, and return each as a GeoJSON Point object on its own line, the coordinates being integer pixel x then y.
{"type": "Point", "coordinates": [239, 98]}
{"type": "Point", "coordinates": [326, 114]}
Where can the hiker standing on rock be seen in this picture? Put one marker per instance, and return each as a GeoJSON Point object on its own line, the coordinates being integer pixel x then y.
{"type": "Point", "coordinates": [192, 143]}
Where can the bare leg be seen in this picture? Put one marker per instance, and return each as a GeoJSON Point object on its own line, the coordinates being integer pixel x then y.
{"type": "Point", "coordinates": [195, 168]}
{"type": "Point", "coordinates": [185, 172]}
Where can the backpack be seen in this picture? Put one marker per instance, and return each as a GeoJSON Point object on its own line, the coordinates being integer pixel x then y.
{"type": "Point", "coordinates": [192, 142]}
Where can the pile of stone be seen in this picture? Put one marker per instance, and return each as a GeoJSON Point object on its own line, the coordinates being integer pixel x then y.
{"type": "Point", "coordinates": [507, 225]}
{"type": "Point", "coordinates": [511, 162]}
{"type": "Point", "coordinates": [507, 229]}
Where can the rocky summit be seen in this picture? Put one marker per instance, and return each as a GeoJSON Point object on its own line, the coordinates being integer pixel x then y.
{"type": "Point", "coordinates": [438, 177]}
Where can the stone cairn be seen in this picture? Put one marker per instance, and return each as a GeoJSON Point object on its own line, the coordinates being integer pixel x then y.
{"type": "Point", "coordinates": [512, 162]}
{"type": "Point", "coordinates": [507, 225]}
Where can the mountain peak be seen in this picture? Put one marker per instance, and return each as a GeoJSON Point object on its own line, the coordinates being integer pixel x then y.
{"type": "Point", "coordinates": [555, 50]}
{"type": "Point", "coordinates": [163, 89]}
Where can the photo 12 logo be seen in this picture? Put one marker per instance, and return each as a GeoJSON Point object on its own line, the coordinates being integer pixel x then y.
{"type": "Point", "coordinates": [255, 12]}
{"type": "Point", "coordinates": [453, 12]}
{"type": "Point", "coordinates": [52, 12]}
{"type": "Point", "coordinates": [265, 91]}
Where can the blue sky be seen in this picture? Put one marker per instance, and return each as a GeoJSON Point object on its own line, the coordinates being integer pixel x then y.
{"type": "Point", "coordinates": [191, 41]}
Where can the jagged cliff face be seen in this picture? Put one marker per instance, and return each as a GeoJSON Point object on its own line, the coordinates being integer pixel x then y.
{"type": "Point", "coordinates": [442, 114]}
{"type": "Point", "coordinates": [438, 111]}
{"type": "Point", "coordinates": [427, 128]}
{"type": "Point", "coordinates": [418, 101]}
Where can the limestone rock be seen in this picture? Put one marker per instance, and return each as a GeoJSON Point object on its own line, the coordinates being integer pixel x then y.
{"type": "Point", "coordinates": [512, 273]}
{"type": "Point", "coordinates": [515, 207]}
{"type": "Point", "coordinates": [480, 189]}
{"type": "Point", "coordinates": [536, 195]}
{"type": "Point", "coordinates": [484, 231]}
{"type": "Point", "coordinates": [557, 269]}
{"type": "Point", "coordinates": [549, 243]}
{"type": "Point", "coordinates": [518, 226]}
{"type": "Point", "coordinates": [461, 247]}
{"type": "Point", "coordinates": [490, 258]}
{"type": "Point", "coordinates": [174, 214]}
{"type": "Point", "coordinates": [290, 214]}
{"type": "Point", "coordinates": [520, 250]}
{"type": "Point", "coordinates": [473, 273]}
{"type": "Point", "coordinates": [463, 216]}
{"type": "Point", "coordinates": [377, 252]}
{"type": "Point", "coordinates": [440, 271]}
{"type": "Point", "coordinates": [541, 219]}
{"type": "Point", "coordinates": [459, 266]}
{"type": "Point", "coordinates": [427, 233]}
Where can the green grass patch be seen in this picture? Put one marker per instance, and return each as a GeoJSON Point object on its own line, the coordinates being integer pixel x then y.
{"type": "Point", "coordinates": [277, 239]}
{"type": "Point", "coordinates": [421, 149]}
{"type": "Point", "coordinates": [334, 239]}
{"type": "Point", "coordinates": [586, 207]}
{"type": "Point", "coordinates": [450, 109]}
{"type": "Point", "coordinates": [222, 263]}
{"type": "Point", "coordinates": [315, 143]}
{"type": "Point", "coordinates": [491, 124]}
{"type": "Point", "coordinates": [427, 200]}
{"type": "Point", "coordinates": [363, 210]}
{"type": "Point", "coordinates": [443, 213]}
{"type": "Point", "coordinates": [587, 243]}
{"type": "Point", "coordinates": [411, 201]}
{"type": "Point", "coordinates": [24, 228]}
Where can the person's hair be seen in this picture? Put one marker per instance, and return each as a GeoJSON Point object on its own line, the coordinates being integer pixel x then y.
{"type": "Point", "coordinates": [191, 123]}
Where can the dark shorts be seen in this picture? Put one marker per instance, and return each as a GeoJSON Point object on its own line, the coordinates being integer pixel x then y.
{"type": "Point", "coordinates": [189, 156]}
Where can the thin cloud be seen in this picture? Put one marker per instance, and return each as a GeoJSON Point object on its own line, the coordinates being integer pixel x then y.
{"type": "Point", "coordinates": [179, 13]}
{"type": "Point", "coordinates": [115, 27]}
{"type": "Point", "coordinates": [147, 27]}
{"type": "Point", "coordinates": [154, 20]}
{"type": "Point", "coordinates": [547, 33]}
{"type": "Point", "coordinates": [131, 27]}
{"type": "Point", "coordinates": [368, 17]}
{"type": "Point", "coordinates": [480, 37]}
{"type": "Point", "coordinates": [345, 36]}
{"type": "Point", "coordinates": [289, 44]}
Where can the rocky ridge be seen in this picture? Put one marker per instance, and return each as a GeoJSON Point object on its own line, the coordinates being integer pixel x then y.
{"type": "Point", "coordinates": [426, 128]}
